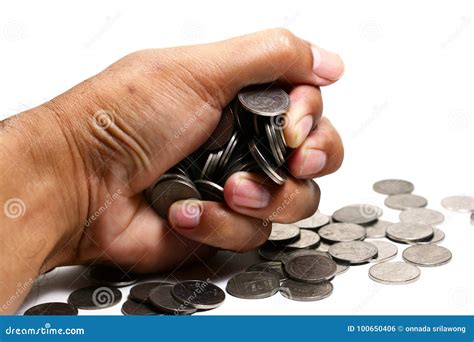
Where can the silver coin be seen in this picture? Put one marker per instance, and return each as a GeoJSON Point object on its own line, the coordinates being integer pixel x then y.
{"type": "Point", "coordinates": [314, 222]}
{"type": "Point", "coordinates": [111, 276]}
{"type": "Point", "coordinates": [305, 292]}
{"type": "Point", "coordinates": [210, 191]}
{"type": "Point", "coordinates": [95, 297]}
{"type": "Point", "coordinates": [405, 201]}
{"type": "Point", "coordinates": [427, 255]}
{"type": "Point", "coordinates": [132, 308]}
{"type": "Point", "coordinates": [385, 250]}
{"type": "Point", "coordinates": [323, 247]}
{"type": "Point", "coordinates": [284, 233]}
{"type": "Point", "coordinates": [376, 229]}
{"type": "Point", "coordinates": [342, 267]}
{"type": "Point", "coordinates": [271, 253]}
{"type": "Point", "coordinates": [264, 99]}
{"type": "Point", "coordinates": [223, 132]}
{"type": "Point", "coordinates": [461, 204]}
{"type": "Point", "coordinates": [277, 152]}
{"type": "Point", "coordinates": [394, 272]}
{"type": "Point", "coordinates": [264, 160]}
{"type": "Point", "coordinates": [421, 215]}
{"type": "Point", "coordinates": [308, 239]}
{"type": "Point", "coordinates": [337, 232]}
{"type": "Point", "coordinates": [52, 309]}
{"type": "Point", "coordinates": [437, 237]}
{"type": "Point", "coordinates": [253, 285]}
{"type": "Point", "coordinates": [198, 294]}
{"type": "Point", "coordinates": [472, 219]}
{"type": "Point", "coordinates": [353, 252]}
{"type": "Point", "coordinates": [313, 268]}
{"type": "Point", "coordinates": [393, 186]}
{"type": "Point", "coordinates": [162, 299]}
{"type": "Point", "coordinates": [302, 252]}
{"type": "Point", "coordinates": [407, 232]}
{"type": "Point", "coordinates": [274, 267]}
{"type": "Point", "coordinates": [357, 213]}
{"type": "Point", "coordinates": [140, 292]}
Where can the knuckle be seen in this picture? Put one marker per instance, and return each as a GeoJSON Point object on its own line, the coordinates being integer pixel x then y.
{"type": "Point", "coordinates": [284, 42]}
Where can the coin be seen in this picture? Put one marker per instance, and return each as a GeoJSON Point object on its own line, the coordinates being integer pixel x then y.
{"type": "Point", "coordinates": [264, 160]}
{"type": "Point", "coordinates": [342, 267]}
{"type": "Point", "coordinates": [223, 131]}
{"type": "Point", "coordinates": [274, 267]}
{"type": "Point", "coordinates": [52, 309]}
{"type": "Point", "coordinates": [264, 99]}
{"type": "Point", "coordinates": [305, 292]}
{"type": "Point", "coordinates": [165, 193]}
{"type": "Point", "coordinates": [353, 252]}
{"type": "Point", "coordinates": [111, 276]}
{"type": "Point", "coordinates": [472, 219]}
{"type": "Point", "coordinates": [421, 215]}
{"type": "Point", "coordinates": [376, 229]}
{"type": "Point", "coordinates": [394, 272]}
{"type": "Point", "coordinates": [407, 232]}
{"type": "Point", "coordinates": [133, 308]}
{"type": "Point", "coordinates": [268, 252]}
{"type": "Point", "coordinates": [323, 247]}
{"type": "Point", "coordinates": [357, 213]}
{"type": "Point", "coordinates": [95, 297]}
{"type": "Point", "coordinates": [198, 294]}
{"type": "Point", "coordinates": [302, 252]}
{"type": "Point", "coordinates": [314, 222]}
{"type": "Point", "coordinates": [336, 232]}
{"type": "Point", "coordinates": [308, 239]}
{"type": "Point", "coordinates": [140, 292]}
{"type": "Point", "coordinates": [283, 233]}
{"type": "Point", "coordinates": [427, 255]}
{"type": "Point", "coordinates": [385, 250]}
{"type": "Point", "coordinates": [310, 268]}
{"type": "Point", "coordinates": [393, 186]}
{"type": "Point", "coordinates": [405, 201]}
{"type": "Point", "coordinates": [253, 285]}
{"type": "Point", "coordinates": [162, 299]}
{"type": "Point", "coordinates": [210, 191]}
{"type": "Point", "coordinates": [437, 237]}
{"type": "Point", "coordinates": [461, 204]}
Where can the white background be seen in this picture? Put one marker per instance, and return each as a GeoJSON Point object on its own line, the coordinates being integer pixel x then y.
{"type": "Point", "coordinates": [404, 108]}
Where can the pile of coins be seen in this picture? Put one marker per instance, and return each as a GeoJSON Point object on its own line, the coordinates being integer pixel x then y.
{"type": "Point", "coordinates": [249, 137]}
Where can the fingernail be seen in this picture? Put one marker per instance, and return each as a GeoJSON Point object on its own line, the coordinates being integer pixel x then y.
{"type": "Point", "coordinates": [301, 131]}
{"type": "Point", "coordinates": [326, 64]}
{"type": "Point", "coordinates": [249, 194]}
{"type": "Point", "coordinates": [185, 214]}
{"type": "Point", "coordinates": [313, 162]}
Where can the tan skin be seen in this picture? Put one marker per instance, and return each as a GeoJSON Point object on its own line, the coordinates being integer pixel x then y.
{"type": "Point", "coordinates": [160, 106]}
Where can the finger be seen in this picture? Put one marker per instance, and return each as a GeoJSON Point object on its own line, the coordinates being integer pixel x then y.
{"type": "Point", "coordinates": [320, 154]}
{"type": "Point", "coordinates": [306, 107]}
{"type": "Point", "coordinates": [214, 224]}
{"type": "Point", "coordinates": [256, 196]}
{"type": "Point", "coordinates": [267, 56]}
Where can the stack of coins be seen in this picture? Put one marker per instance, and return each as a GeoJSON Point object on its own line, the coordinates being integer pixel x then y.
{"type": "Point", "coordinates": [249, 137]}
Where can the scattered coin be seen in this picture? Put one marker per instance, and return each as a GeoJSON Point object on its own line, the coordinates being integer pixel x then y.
{"type": "Point", "coordinates": [394, 272]}
{"type": "Point", "coordinates": [323, 247]}
{"type": "Point", "coordinates": [472, 219]}
{"type": "Point", "coordinates": [393, 187]}
{"type": "Point", "coordinates": [95, 297]}
{"type": "Point", "coordinates": [407, 232]}
{"type": "Point", "coordinates": [385, 250]}
{"type": "Point", "coordinates": [133, 308]}
{"type": "Point", "coordinates": [336, 232]}
{"type": "Point", "coordinates": [111, 276]}
{"type": "Point", "coordinates": [274, 267]}
{"type": "Point", "coordinates": [271, 253]}
{"type": "Point", "coordinates": [437, 237]}
{"type": "Point", "coordinates": [341, 267]}
{"type": "Point", "coordinates": [140, 292]}
{"type": "Point", "coordinates": [198, 294]}
{"type": "Point", "coordinates": [405, 201]}
{"type": "Point", "coordinates": [308, 239]}
{"type": "Point", "coordinates": [461, 204]}
{"type": "Point", "coordinates": [162, 299]}
{"type": "Point", "coordinates": [427, 255]}
{"type": "Point", "coordinates": [314, 222]}
{"type": "Point", "coordinates": [283, 233]}
{"type": "Point", "coordinates": [302, 252]}
{"type": "Point", "coordinates": [52, 309]}
{"type": "Point", "coordinates": [357, 213]}
{"type": "Point", "coordinates": [421, 215]}
{"type": "Point", "coordinates": [310, 268]}
{"type": "Point", "coordinates": [376, 229]}
{"type": "Point", "coordinates": [305, 292]}
{"type": "Point", "coordinates": [253, 285]}
{"type": "Point", "coordinates": [353, 252]}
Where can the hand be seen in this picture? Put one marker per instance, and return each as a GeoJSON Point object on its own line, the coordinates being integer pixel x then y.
{"type": "Point", "coordinates": [121, 129]}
